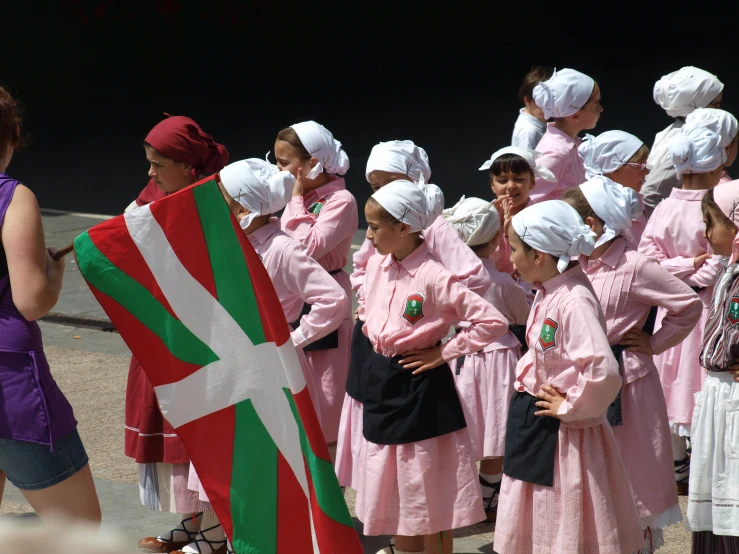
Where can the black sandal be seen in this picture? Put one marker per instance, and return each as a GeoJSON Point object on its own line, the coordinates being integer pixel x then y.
{"type": "Point", "coordinates": [491, 510]}
{"type": "Point", "coordinates": [222, 545]}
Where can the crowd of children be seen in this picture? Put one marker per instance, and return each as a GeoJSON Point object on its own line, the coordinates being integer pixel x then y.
{"type": "Point", "coordinates": [553, 359]}
{"type": "Point", "coordinates": [560, 359]}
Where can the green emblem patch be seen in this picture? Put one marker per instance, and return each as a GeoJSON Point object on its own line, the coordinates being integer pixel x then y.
{"type": "Point", "coordinates": [317, 206]}
{"type": "Point", "coordinates": [413, 308]}
{"type": "Point", "coordinates": [733, 313]}
{"type": "Point", "coordinates": [548, 335]}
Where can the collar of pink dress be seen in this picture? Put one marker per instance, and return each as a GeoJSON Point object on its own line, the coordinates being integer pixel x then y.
{"type": "Point", "coordinates": [573, 274]}
{"type": "Point", "coordinates": [411, 262]}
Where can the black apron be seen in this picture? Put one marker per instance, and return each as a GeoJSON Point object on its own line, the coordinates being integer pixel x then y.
{"type": "Point", "coordinates": [530, 443]}
{"type": "Point", "coordinates": [614, 414]}
{"type": "Point", "coordinates": [400, 407]}
{"type": "Point", "coordinates": [361, 348]}
{"type": "Point", "coordinates": [325, 343]}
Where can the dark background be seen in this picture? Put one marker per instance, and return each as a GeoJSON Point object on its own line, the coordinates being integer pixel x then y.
{"type": "Point", "coordinates": [96, 75]}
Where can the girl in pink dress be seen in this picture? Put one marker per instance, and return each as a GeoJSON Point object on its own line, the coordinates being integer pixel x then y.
{"type": "Point", "coordinates": [629, 286]}
{"type": "Point", "coordinates": [513, 172]}
{"type": "Point", "coordinates": [485, 379]}
{"type": "Point", "coordinates": [712, 515]}
{"type": "Point", "coordinates": [254, 190]}
{"type": "Point", "coordinates": [572, 100]}
{"type": "Point", "coordinates": [675, 237]}
{"type": "Point", "coordinates": [622, 158]}
{"type": "Point", "coordinates": [391, 161]}
{"type": "Point", "coordinates": [322, 215]}
{"type": "Point", "coordinates": [565, 487]}
{"type": "Point", "coordinates": [417, 477]}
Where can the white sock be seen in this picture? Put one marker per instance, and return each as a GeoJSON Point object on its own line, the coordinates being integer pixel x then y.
{"type": "Point", "coordinates": [211, 531]}
{"type": "Point", "coordinates": [191, 524]}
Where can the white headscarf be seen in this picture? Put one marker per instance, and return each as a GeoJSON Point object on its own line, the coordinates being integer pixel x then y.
{"type": "Point", "coordinates": [320, 143]}
{"type": "Point", "coordinates": [684, 90]}
{"type": "Point", "coordinates": [616, 205]}
{"type": "Point", "coordinates": [416, 204]}
{"type": "Point", "coordinates": [718, 121]}
{"type": "Point", "coordinates": [556, 228]}
{"type": "Point", "coordinates": [697, 150]}
{"type": "Point", "coordinates": [475, 220]}
{"type": "Point", "coordinates": [565, 93]}
{"type": "Point", "coordinates": [258, 186]}
{"type": "Point", "coordinates": [607, 152]}
{"type": "Point", "coordinates": [399, 156]}
{"type": "Point", "coordinates": [540, 172]}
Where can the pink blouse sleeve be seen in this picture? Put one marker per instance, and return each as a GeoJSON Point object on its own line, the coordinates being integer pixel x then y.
{"type": "Point", "coordinates": [655, 286]}
{"type": "Point", "coordinates": [304, 277]}
{"type": "Point", "coordinates": [448, 249]}
{"type": "Point", "coordinates": [557, 164]}
{"type": "Point", "coordinates": [359, 262]}
{"type": "Point", "coordinates": [586, 344]}
{"type": "Point", "coordinates": [511, 298]}
{"type": "Point", "coordinates": [461, 304]}
{"type": "Point", "coordinates": [321, 234]}
{"type": "Point", "coordinates": [706, 274]}
{"type": "Point", "coordinates": [679, 266]}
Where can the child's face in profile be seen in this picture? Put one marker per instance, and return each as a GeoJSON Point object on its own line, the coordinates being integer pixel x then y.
{"type": "Point", "coordinates": [719, 234]}
{"type": "Point", "coordinates": [515, 186]}
{"type": "Point", "coordinates": [589, 114]}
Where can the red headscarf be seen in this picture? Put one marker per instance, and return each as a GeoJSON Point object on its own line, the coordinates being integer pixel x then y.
{"type": "Point", "coordinates": [180, 139]}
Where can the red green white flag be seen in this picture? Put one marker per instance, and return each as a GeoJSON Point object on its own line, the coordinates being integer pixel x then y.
{"type": "Point", "coordinates": [191, 298]}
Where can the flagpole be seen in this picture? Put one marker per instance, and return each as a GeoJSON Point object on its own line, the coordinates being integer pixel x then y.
{"type": "Point", "coordinates": [63, 252]}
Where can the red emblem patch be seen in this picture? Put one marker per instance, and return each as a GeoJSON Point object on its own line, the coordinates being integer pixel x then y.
{"type": "Point", "coordinates": [413, 308]}
{"type": "Point", "coordinates": [733, 313]}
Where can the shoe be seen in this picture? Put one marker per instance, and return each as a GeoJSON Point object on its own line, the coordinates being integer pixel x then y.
{"type": "Point", "coordinates": [490, 503]}
{"type": "Point", "coordinates": [153, 544]}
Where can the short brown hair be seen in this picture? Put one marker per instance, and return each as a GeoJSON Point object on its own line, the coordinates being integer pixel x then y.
{"type": "Point", "coordinates": [713, 214]}
{"type": "Point", "coordinates": [640, 156]}
{"type": "Point", "coordinates": [384, 214]}
{"type": "Point", "coordinates": [536, 75]}
{"type": "Point", "coordinates": [289, 135]}
{"type": "Point", "coordinates": [10, 121]}
{"type": "Point", "coordinates": [575, 198]}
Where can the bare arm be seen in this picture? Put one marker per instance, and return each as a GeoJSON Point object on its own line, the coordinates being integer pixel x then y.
{"type": "Point", "coordinates": [35, 279]}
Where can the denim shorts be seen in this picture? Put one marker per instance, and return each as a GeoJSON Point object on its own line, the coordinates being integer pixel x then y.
{"type": "Point", "coordinates": [31, 466]}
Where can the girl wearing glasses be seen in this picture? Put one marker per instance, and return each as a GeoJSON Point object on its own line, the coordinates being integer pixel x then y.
{"type": "Point", "coordinates": [675, 237]}
{"type": "Point", "coordinates": [622, 158]}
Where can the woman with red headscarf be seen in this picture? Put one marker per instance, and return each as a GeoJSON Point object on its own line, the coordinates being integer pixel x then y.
{"type": "Point", "coordinates": [180, 153]}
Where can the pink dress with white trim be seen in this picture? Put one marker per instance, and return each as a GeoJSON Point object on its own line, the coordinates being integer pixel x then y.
{"type": "Point", "coordinates": [628, 284]}
{"type": "Point", "coordinates": [423, 487]}
{"type": "Point", "coordinates": [485, 381]}
{"type": "Point", "coordinates": [590, 507]}
{"type": "Point", "coordinates": [325, 221]}
{"type": "Point", "coordinates": [674, 237]}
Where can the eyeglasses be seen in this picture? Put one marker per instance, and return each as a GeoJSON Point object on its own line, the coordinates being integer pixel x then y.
{"type": "Point", "coordinates": [641, 167]}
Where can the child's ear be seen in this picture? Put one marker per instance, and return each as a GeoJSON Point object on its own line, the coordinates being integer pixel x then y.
{"type": "Point", "coordinates": [404, 229]}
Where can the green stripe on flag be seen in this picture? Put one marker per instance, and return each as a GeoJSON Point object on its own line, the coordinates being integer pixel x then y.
{"type": "Point", "coordinates": [230, 272]}
{"type": "Point", "coordinates": [253, 484]}
{"type": "Point", "coordinates": [325, 484]}
{"type": "Point", "coordinates": [101, 273]}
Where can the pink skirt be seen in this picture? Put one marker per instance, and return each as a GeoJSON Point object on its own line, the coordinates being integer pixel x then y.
{"type": "Point", "coordinates": [590, 508]}
{"type": "Point", "coordinates": [419, 488]}
{"type": "Point", "coordinates": [644, 443]}
{"type": "Point", "coordinates": [329, 370]}
{"type": "Point", "coordinates": [485, 387]}
{"type": "Point", "coordinates": [682, 375]}
{"type": "Point", "coordinates": [350, 442]}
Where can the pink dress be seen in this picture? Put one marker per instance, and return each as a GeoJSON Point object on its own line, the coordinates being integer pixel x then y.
{"type": "Point", "coordinates": [325, 221]}
{"type": "Point", "coordinates": [501, 257]}
{"type": "Point", "coordinates": [485, 381]}
{"type": "Point", "coordinates": [590, 507]}
{"type": "Point", "coordinates": [297, 278]}
{"type": "Point", "coordinates": [628, 284]}
{"type": "Point", "coordinates": [560, 156]}
{"type": "Point", "coordinates": [448, 249]}
{"type": "Point", "coordinates": [674, 237]}
{"type": "Point", "coordinates": [423, 487]}
{"type": "Point", "coordinates": [634, 233]}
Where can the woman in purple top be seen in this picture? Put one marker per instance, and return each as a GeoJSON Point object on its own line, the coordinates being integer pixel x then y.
{"type": "Point", "coordinates": [40, 450]}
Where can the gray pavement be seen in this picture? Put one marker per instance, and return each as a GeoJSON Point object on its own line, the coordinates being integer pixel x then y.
{"type": "Point", "coordinates": [91, 368]}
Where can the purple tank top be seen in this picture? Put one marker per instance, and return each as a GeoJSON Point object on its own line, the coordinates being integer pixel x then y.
{"type": "Point", "coordinates": [32, 407]}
